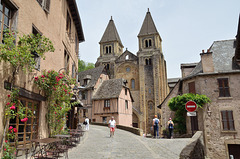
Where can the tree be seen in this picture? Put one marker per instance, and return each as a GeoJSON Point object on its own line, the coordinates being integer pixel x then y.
{"type": "Point", "coordinates": [177, 104]}
{"type": "Point", "coordinates": [83, 66]}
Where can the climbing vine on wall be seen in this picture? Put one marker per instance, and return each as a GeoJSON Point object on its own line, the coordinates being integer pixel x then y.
{"type": "Point", "coordinates": [57, 88]}
{"type": "Point", "coordinates": [178, 103]}
{"type": "Point", "coordinates": [18, 53]}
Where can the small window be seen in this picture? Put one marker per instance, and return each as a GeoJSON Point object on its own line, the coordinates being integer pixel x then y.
{"type": "Point", "coordinates": [66, 61]}
{"type": "Point", "coordinates": [146, 43]}
{"type": "Point", "coordinates": [126, 104]}
{"type": "Point", "coordinates": [191, 87]}
{"type": "Point", "coordinates": [128, 69]}
{"type": "Point", "coordinates": [68, 24]}
{"type": "Point", "coordinates": [150, 42]}
{"type": "Point", "coordinates": [107, 66]}
{"type": "Point", "coordinates": [85, 82]}
{"type": "Point", "coordinates": [45, 4]}
{"type": "Point", "coordinates": [149, 90]}
{"type": "Point", "coordinates": [150, 61]}
{"type": "Point", "coordinates": [127, 57]}
{"type": "Point", "coordinates": [132, 83]}
{"type": "Point", "coordinates": [227, 120]}
{"type": "Point", "coordinates": [126, 91]}
{"type": "Point", "coordinates": [84, 95]}
{"type": "Point", "coordinates": [73, 71]}
{"type": "Point", "coordinates": [146, 61]}
{"type": "Point", "coordinates": [104, 119]}
{"type": "Point", "coordinates": [36, 57]}
{"type": "Point", "coordinates": [223, 87]}
{"type": "Point", "coordinates": [106, 50]}
{"type": "Point", "coordinates": [110, 49]}
{"type": "Point", "coordinates": [107, 103]}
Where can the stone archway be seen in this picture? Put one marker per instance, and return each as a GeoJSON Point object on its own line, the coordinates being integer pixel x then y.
{"type": "Point", "coordinates": [135, 120]}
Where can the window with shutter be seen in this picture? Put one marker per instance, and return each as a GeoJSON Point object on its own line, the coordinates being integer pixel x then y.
{"type": "Point", "coordinates": [191, 87]}
{"type": "Point", "coordinates": [227, 120]}
{"type": "Point", "coordinates": [223, 87]}
{"type": "Point", "coordinates": [36, 57]}
{"type": "Point", "coordinates": [47, 6]}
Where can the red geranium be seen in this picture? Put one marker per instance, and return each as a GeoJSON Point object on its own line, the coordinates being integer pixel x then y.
{"type": "Point", "coordinates": [10, 128]}
{"type": "Point", "coordinates": [9, 95]}
{"type": "Point", "coordinates": [36, 78]}
{"type": "Point", "coordinates": [15, 130]}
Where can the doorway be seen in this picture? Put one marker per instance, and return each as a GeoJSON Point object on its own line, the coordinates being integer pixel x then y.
{"type": "Point", "coordinates": [233, 150]}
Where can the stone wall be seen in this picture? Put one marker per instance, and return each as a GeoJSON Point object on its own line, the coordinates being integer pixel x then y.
{"type": "Point", "coordinates": [195, 149]}
{"type": "Point", "coordinates": [133, 130]}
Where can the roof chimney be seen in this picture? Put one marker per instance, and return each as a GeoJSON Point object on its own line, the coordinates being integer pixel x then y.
{"type": "Point", "coordinates": [237, 51]}
{"type": "Point", "coordinates": [207, 61]}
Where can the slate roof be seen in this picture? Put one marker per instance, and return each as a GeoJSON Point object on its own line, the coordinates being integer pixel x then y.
{"type": "Point", "coordinates": [110, 89]}
{"type": "Point", "coordinates": [93, 74]}
{"type": "Point", "coordinates": [148, 26]}
{"type": "Point", "coordinates": [110, 33]}
{"type": "Point", "coordinates": [222, 53]}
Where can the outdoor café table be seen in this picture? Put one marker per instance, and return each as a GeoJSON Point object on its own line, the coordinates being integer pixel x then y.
{"type": "Point", "coordinates": [44, 143]}
{"type": "Point", "coordinates": [63, 136]}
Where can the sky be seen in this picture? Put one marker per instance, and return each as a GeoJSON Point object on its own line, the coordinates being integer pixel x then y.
{"type": "Point", "coordinates": [186, 26]}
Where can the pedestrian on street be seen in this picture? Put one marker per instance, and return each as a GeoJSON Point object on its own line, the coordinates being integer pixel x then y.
{"type": "Point", "coordinates": [170, 127]}
{"type": "Point", "coordinates": [156, 126]}
{"type": "Point", "coordinates": [112, 126]}
{"type": "Point", "coordinates": [86, 123]}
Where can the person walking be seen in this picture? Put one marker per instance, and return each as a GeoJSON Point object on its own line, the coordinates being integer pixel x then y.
{"type": "Point", "coordinates": [86, 124]}
{"type": "Point", "coordinates": [112, 126]}
{"type": "Point", "coordinates": [156, 126]}
{"type": "Point", "coordinates": [170, 127]}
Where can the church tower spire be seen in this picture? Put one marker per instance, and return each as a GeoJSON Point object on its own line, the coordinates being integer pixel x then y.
{"type": "Point", "coordinates": [148, 36]}
{"type": "Point", "coordinates": [111, 48]}
{"type": "Point", "coordinates": [111, 42]}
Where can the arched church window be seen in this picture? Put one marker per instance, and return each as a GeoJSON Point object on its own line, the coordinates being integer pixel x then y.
{"type": "Point", "coordinates": [150, 42]}
{"type": "Point", "coordinates": [128, 69]}
{"type": "Point", "coordinates": [132, 83]}
{"type": "Point", "coordinates": [107, 66]}
{"type": "Point", "coordinates": [109, 49]}
{"type": "Point", "coordinates": [146, 61]}
{"type": "Point", "coordinates": [150, 61]}
{"type": "Point", "coordinates": [127, 57]}
{"type": "Point", "coordinates": [106, 50]}
{"type": "Point", "coordinates": [146, 43]}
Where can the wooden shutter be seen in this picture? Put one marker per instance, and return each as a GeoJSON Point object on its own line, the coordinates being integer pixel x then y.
{"type": "Point", "coordinates": [227, 120]}
{"type": "Point", "coordinates": [191, 87]}
{"type": "Point", "coordinates": [47, 6]}
{"type": "Point", "coordinates": [223, 87]}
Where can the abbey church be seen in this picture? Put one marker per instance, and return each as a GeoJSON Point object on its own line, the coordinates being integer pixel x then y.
{"type": "Point", "coordinates": [144, 71]}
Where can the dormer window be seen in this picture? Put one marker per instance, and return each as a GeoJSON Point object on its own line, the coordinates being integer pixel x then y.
{"type": "Point", "coordinates": [148, 43]}
{"type": "Point", "coordinates": [108, 49]}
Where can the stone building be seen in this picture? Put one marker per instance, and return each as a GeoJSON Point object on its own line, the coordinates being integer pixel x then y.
{"type": "Point", "coordinates": [217, 76]}
{"type": "Point", "coordinates": [90, 82]}
{"type": "Point", "coordinates": [60, 22]}
{"type": "Point", "coordinates": [144, 72]}
{"type": "Point", "coordinates": [113, 98]}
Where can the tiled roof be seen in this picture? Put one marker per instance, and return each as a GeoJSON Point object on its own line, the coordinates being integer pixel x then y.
{"type": "Point", "coordinates": [110, 33]}
{"type": "Point", "coordinates": [110, 89]}
{"type": "Point", "coordinates": [92, 74]}
{"type": "Point", "coordinates": [148, 26]}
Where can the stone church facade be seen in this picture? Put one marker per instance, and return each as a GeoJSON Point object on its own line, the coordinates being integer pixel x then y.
{"type": "Point", "coordinates": [145, 72]}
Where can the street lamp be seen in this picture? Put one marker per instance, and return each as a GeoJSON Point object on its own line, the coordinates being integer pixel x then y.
{"type": "Point", "coordinates": [75, 89]}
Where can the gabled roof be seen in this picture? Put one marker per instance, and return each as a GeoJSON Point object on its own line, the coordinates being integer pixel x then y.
{"type": "Point", "coordinates": [148, 26]}
{"type": "Point", "coordinates": [122, 58]}
{"type": "Point", "coordinates": [110, 89]}
{"type": "Point", "coordinates": [92, 74]}
{"type": "Point", "coordinates": [111, 33]}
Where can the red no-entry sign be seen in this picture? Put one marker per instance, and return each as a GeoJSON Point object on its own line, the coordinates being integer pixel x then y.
{"type": "Point", "coordinates": [191, 106]}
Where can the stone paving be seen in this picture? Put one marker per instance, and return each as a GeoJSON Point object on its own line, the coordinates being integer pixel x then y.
{"type": "Point", "coordinates": [97, 144]}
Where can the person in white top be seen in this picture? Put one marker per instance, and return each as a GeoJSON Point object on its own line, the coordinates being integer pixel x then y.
{"type": "Point", "coordinates": [87, 124]}
{"type": "Point", "coordinates": [112, 126]}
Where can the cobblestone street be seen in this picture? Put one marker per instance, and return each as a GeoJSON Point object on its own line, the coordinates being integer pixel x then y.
{"type": "Point", "coordinates": [97, 144]}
